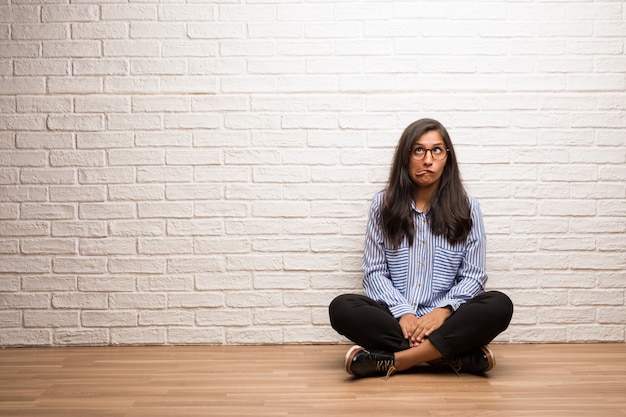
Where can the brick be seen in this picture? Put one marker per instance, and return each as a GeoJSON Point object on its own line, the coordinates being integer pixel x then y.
{"type": "Point", "coordinates": [223, 317]}
{"type": "Point", "coordinates": [167, 318]}
{"type": "Point", "coordinates": [103, 140]}
{"type": "Point", "coordinates": [113, 30]}
{"type": "Point", "coordinates": [138, 336]}
{"type": "Point", "coordinates": [100, 67]}
{"type": "Point", "coordinates": [195, 227]}
{"type": "Point", "coordinates": [134, 121]}
{"type": "Point", "coordinates": [81, 337]}
{"type": "Point", "coordinates": [10, 319]}
{"type": "Point", "coordinates": [108, 319]}
{"type": "Point", "coordinates": [193, 157]}
{"type": "Point", "coordinates": [151, 30]}
{"type": "Point", "coordinates": [167, 246]}
{"type": "Point", "coordinates": [62, 158]}
{"type": "Point", "coordinates": [47, 246]}
{"type": "Point", "coordinates": [165, 209]}
{"type": "Point", "coordinates": [106, 283]}
{"type": "Point", "coordinates": [49, 283]}
{"type": "Point", "coordinates": [108, 175]}
{"type": "Point", "coordinates": [189, 49]}
{"type": "Point", "coordinates": [24, 228]}
{"type": "Point", "coordinates": [136, 192]}
{"type": "Point", "coordinates": [216, 30]}
{"type": "Point", "coordinates": [20, 50]}
{"type": "Point", "coordinates": [195, 265]}
{"type": "Point", "coordinates": [19, 14]}
{"type": "Point", "coordinates": [76, 122]}
{"type": "Point", "coordinates": [23, 337]}
{"type": "Point", "coordinates": [109, 246]}
{"type": "Point", "coordinates": [77, 193]}
{"type": "Point", "coordinates": [79, 265]}
{"type": "Point", "coordinates": [101, 104]}
{"type": "Point", "coordinates": [173, 139]}
{"type": "Point", "coordinates": [253, 192]}
{"type": "Point", "coordinates": [155, 103]}
{"type": "Point", "coordinates": [72, 49]}
{"type": "Point", "coordinates": [10, 282]}
{"type": "Point", "coordinates": [193, 192]}
{"type": "Point", "coordinates": [136, 265]}
{"type": "Point", "coordinates": [79, 228]}
{"type": "Point", "coordinates": [206, 66]}
{"type": "Point", "coordinates": [224, 281]}
{"type": "Point", "coordinates": [275, 317]}
{"type": "Point", "coordinates": [121, 301]}
{"type": "Point", "coordinates": [202, 336]}
{"type": "Point", "coordinates": [34, 67]}
{"type": "Point", "coordinates": [23, 85]}
{"type": "Point", "coordinates": [137, 228]}
{"type": "Point", "coordinates": [130, 85]}
{"type": "Point", "coordinates": [279, 281]}
{"type": "Point", "coordinates": [45, 211]}
{"type": "Point", "coordinates": [106, 211]}
{"type": "Point", "coordinates": [126, 12]}
{"type": "Point", "coordinates": [69, 13]}
{"type": "Point", "coordinates": [165, 283]}
{"type": "Point", "coordinates": [595, 333]}
{"type": "Point", "coordinates": [244, 336]}
{"type": "Point", "coordinates": [203, 300]}
{"type": "Point", "coordinates": [51, 319]}
{"type": "Point", "coordinates": [9, 246]}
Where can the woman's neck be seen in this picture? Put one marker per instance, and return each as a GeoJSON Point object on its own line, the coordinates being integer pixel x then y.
{"type": "Point", "coordinates": [423, 197]}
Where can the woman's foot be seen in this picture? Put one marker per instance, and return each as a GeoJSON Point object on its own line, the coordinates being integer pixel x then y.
{"type": "Point", "coordinates": [476, 361]}
{"type": "Point", "coordinates": [362, 362]}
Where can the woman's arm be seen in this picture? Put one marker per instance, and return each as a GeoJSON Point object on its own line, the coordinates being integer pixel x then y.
{"type": "Point", "coordinates": [472, 275]}
{"type": "Point", "coordinates": [377, 280]}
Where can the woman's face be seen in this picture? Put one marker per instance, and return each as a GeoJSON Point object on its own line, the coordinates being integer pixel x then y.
{"type": "Point", "coordinates": [427, 171]}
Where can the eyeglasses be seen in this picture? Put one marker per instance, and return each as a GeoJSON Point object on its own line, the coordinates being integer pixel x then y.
{"type": "Point", "coordinates": [438, 153]}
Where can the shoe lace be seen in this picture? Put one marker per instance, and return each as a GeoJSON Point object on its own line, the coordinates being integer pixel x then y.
{"type": "Point", "coordinates": [456, 365]}
{"type": "Point", "coordinates": [390, 371]}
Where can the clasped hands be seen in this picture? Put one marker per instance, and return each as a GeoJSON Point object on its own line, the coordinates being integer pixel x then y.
{"type": "Point", "coordinates": [417, 329]}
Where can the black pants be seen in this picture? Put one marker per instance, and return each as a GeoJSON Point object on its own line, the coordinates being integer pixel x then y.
{"type": "Point", "coordinates": [371, 325]}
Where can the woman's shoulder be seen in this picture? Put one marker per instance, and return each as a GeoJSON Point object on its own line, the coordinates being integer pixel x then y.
{"type": "Point", "coordinates": [376, 203]}
{"type": "Point", "coordinates": [474, 205]}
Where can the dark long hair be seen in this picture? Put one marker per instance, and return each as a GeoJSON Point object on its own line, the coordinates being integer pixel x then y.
{"type": "Point", "coordinates": [449, 209]}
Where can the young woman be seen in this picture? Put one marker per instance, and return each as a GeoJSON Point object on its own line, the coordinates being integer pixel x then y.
{"type": "Point", "coordinates": [424, 269]}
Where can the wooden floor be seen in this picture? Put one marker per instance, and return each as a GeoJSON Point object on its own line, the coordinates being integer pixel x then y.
{"type": "Point", "coordinates": [528, 380]}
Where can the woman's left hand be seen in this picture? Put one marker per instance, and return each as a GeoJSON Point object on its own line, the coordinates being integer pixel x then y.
{"type": "Point", "coordinates": [428, 323]}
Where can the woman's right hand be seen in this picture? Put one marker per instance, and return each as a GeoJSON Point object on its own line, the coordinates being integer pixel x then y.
{"type": "Point", "coordinates": [408, 324]}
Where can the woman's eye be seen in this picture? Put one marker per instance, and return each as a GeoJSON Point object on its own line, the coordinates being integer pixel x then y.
{"type": "Point", "coordinates": [418, 150]}
{"type": "Point", "coordinates": [437, 150]}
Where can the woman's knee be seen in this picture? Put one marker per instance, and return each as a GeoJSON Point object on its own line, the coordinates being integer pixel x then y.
{"type": "Point", "coordinates": [503, 306]}
{"type": "Point", "coordinates": [339, 308]}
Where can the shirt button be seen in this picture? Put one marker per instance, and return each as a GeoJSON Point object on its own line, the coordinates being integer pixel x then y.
{"type": "Point", "coordinates": [414, 304]}
{"type": "Point", "coordinates": [419, 284]}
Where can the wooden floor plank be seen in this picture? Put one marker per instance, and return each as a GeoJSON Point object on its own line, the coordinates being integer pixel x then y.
{"type": "Point", "coordinates": [528, 380]}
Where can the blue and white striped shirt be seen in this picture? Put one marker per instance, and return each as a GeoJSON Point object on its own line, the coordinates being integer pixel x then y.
{"type": "Point", "coordinates": [428, 274]}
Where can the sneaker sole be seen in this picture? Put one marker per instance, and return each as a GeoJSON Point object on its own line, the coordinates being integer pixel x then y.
{"type": "Point", "coordinates": [349, 355]}
{"type": "Point", "coordinates": [491, 358]}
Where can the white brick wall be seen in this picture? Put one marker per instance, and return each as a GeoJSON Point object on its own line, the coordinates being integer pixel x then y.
{"type": "Point", "coordinates": [177, 173]}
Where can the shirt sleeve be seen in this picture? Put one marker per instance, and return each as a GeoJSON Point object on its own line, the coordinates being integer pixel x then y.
{"type": "Point", "coordinates": [377, 282]}
{"type": "Point", "coordinates": [472, 275]}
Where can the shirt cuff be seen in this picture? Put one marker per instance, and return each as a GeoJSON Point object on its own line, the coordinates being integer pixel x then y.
{"type": "Point", "coordinates": [400, 310]}
{"type": "Point", "coordinates": [454, 304]}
